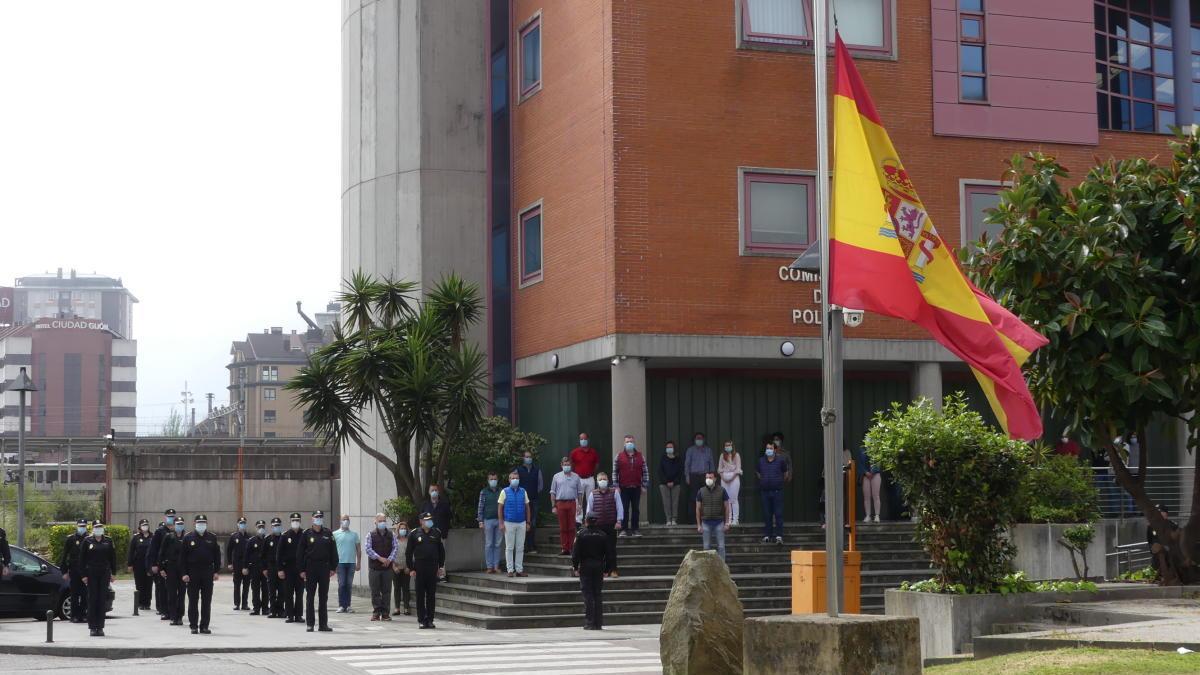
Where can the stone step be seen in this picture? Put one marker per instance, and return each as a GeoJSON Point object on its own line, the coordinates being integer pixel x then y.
{"type": "Point", "coordinates": [491, 622]}
{"type": "Point", "coordinates": [652, 556]}
{"type": "Point", "coordinates": [613, 590]}
{"type": "Point", "coordinates": [1021, 627]}
{"type": "Point", "coordinates": [563, 569]}
{"type": "Point", "coordinates": [614, 606]}
{"type": "Point", "coordinates": [680, 548]}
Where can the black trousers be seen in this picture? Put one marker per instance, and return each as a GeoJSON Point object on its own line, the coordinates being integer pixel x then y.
{"type": "Point", "coordinates": [97, 597]}
{"type": "Point", "coordinates": [199, 593]}
{"type": "Point", "coordinates": [293, 595]}
{"type": "Point", "coordinates": [78, 596]}
{"type": "Point", "coordinates": [175, 590]}
{"type": "Point", "coordinates": [401, 590]}
{"type": "Point", "coordinates": [274, 592]}
{"type": "Point", "coordinates": [426, 587]}
{"type": "Point", "coordinates": [631, 500]}
{"type": "Point", "coordinates": [317, 583]}
{"type": "Point", "coordinates": [240, 588]}
{"type": "Point", "coordinates": [591, 579]}
{"type": "Point", "coordinates": [144, 583]}
{"type": "Point", "coordinates": [610, 539]}
{"type": "Point", "coordinates": [160, 593]}
{"type": "Point", "coordinates": [258, 590]}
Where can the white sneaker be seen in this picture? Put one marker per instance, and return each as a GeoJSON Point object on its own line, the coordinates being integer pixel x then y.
{"type": "Point", "coordinates": [867, 518]}
{"type": "Point", "coordinates": [876, 518]}
{"type": "Point", "coordinates": [341, 610]}
{"type": "Point", "coordinates": [778, 540]}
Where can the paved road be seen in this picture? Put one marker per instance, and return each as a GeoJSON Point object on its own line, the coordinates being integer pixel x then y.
{"type": "Point", "coordinates": [583, 658]}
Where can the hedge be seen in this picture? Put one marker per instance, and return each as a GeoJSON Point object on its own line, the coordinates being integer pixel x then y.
{"type": "Point", "coordinates": [118, 533]}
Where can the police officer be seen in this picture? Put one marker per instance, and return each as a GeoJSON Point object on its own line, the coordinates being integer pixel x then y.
{"type": "Point", "coordinates": [318, 563]}
{"type": "Point", "coordinates": [233, 561]}
{"type": "Point", "coordinates": [98, 562]}
{"type": "Point", "coordinates": [5, 554]}
{"type": "Point", "coordinates": [287, 558]}
{"type": "Point", "coordinates": [160, 584]}
{"type": "Point", "coordinates": [425, 557]}
{"type": "Point", "coordinates": [169, 569]}
{"type": "Point", "coordinates": [253, 566]}
{"type": "Point", "coordinates": [274, 600]}
{"type": "Point", "coordinates": [69, 563]}
{"type": "Point", "coordinates": [200, 562]}
{"type": "Point", "coordinates": [135, 563]}
{"type": "Point", "coordinates": [589, 558]}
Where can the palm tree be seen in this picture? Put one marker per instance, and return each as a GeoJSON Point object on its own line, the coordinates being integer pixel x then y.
{"type": "Point", "coordinates": [406, 361]}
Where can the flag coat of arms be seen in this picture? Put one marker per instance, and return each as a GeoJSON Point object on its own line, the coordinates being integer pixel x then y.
{"type": "Point", "coordinates": [886, 256]}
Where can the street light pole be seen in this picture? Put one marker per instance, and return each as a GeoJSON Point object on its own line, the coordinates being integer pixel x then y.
{"type": "Point", "coordinates": [22, 384]}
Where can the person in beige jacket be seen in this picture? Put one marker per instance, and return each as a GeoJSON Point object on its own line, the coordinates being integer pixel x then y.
{"type": "Point", "coordinates": [401, 588]}
{"type": "Point", "coordinates": [730, 471]}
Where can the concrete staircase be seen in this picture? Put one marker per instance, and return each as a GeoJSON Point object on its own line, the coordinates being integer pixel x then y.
{"type": "Point", "coordinates": [550, 597]}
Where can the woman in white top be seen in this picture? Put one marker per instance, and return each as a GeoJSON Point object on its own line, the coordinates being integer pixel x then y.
{"type": "Point", "coordinates": [730, 471]}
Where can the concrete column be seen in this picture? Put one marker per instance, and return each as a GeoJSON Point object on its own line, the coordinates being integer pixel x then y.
{"type": "Point", "coordinates": [927, 382]}
{"type": "Point", "coordinates": [1181, 38]}
{"type": "Point", "coordinates": [629, 413]}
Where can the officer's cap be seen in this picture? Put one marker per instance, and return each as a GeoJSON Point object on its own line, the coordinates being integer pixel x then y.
{"type": "Point", "coordinates": [201, 518]}
{"type": "Point", "coordinates": [82, 522]}
{"type": "Point", "coordinates": [97, 523]}
{"type": "Point", "coordinates": [426, 515]}
{"type": "Point", "coordinates": [1163, 508]}
{"type": "Point", "coordinates": [242, 520]}
{"type": "Point", "coordinates": [276, 521]}
{"type": "Point", "coordinates": [261, 523]}
{"type": "Point", "coordinates": [169, 512]}
{"type": "Point", "coordinates": [295, 516]}
{"type": "Point", "coordinates": [318, 514]}
{"type": "Point", "coordinates": [143, 521]}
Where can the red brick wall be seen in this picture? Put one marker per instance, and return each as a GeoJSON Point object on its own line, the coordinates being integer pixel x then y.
{"type": "Point", "coordinates": [687, 109]}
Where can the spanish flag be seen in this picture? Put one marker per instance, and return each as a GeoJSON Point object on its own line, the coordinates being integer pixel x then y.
{"type": "Point", "coordinates": [886, 256]}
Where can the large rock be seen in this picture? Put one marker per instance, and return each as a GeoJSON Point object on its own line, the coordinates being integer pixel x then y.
{"type": "Point", "coordinates": [702, 625]}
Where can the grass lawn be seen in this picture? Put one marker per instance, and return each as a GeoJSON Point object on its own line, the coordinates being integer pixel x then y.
{"type": "Point", "coordinates": [1083, 660]}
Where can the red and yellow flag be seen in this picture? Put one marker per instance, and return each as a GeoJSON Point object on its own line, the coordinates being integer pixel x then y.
{"type": "Point", "coordinates": [886, 257]}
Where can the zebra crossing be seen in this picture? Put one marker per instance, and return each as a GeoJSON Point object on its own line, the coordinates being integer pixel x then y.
{"type": "Point", "coordinates": [578, 658]}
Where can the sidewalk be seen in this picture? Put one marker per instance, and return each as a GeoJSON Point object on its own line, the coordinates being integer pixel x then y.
{"type": "Point", "coordinates": [146, 635]}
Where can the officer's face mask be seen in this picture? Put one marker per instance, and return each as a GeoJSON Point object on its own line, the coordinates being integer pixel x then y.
{"type": "Point", "coordinates": [241, 526]}
{"type": "Point", "coordinates": [81, 530]}
{"type": "Point", "coordinates": [318, 521]}
{"type": "Point", "coordinates": [179, 527]}
{"type": "Point", "coordinates": [97, 532]}
{"type": "Point", "coordinates": [170, 520]}
{"type": "Point", "coordinates": [428, 524]}
{"type": "Point", "coordinates": [295, 524]}
{"type": "Point", "coordinates": [277, 529]}
{"type": "Point", "coordinates": [144, 528]}
{"type": "Point", "coordinates": [262, 531]}
{"type": "Point", "coordinates": [201, 527]}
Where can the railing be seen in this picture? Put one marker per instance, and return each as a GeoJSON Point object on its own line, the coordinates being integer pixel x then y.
{"type": "Point", "coordinates": [1170, 486]}
{"type": "Point", "coordinates": [1131, 557]}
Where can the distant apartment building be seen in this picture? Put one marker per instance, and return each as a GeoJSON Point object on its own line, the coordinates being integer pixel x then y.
{"type": "Point", "coordinates": [259, 370]}
{"type": "Point", "coordinates": [73, 336]}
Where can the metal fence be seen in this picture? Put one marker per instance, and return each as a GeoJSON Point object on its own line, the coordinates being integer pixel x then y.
{"type": "Point", "coordinates": [1170, 486]}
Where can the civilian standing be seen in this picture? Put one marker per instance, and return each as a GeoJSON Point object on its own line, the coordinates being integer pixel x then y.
{"type": "Point", "coordinates": [872, 482]}
{"type": "Point", "coordinates": [533, 483]}
{"type": "Point", "coordinates": [565, 491]}
{"type": "Point", "coordinates": [585, 461]}
{"type": "Point", "coordinates": [697, 462]}
{"type": "Point", "coordinates": [381, 548]}
{"type": "Point", "coordinates": [670, 482]}
{"type": "Point", "coordinates": [712, 513]}
{"type": "Point", "coordinates": [349, 562]}
{"type": "Point", "coordinates": [487, 513]}
{"type": "Point", "coordinates": [605, 504]}
{"type": "Point", "coordinates": [515, 511]}
{"type": "Point", "coordinates": [633, 476]}
{"type": "Point", "coordinates": [401, 587]}
{"type": "Point", "coordinates": [772, 472]}
{"type": "Point", "coordinates": [439, 507]}
{"type": "Point", "coordinates": [730, 471]}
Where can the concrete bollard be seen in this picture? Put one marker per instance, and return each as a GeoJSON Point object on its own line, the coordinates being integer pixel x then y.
{"type": "Point", "coordinates": [49, 625]}
{"type": "Point", "coordinates": [135, 603]}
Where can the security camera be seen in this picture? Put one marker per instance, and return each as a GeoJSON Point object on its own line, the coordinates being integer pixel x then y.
{"type": "Point", "coordinates": [852, 317]}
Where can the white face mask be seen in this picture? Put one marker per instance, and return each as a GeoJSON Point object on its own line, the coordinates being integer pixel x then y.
{"type": "Point", "coordinates": [433, 494]}
{"type": "Point", "coordinates": [295, 524]}
{"type": "Point", "coordinates": [201, 527]}
{"type": "Point", "coordinates": [514, 482]}
{"type": "Point", "coordinates": [262, 531]}
{"type": "Point", "coordinates": [81, 530]}
{"type": "Point", "coordinates": [98, 532]}
{"type": "Point", "coordinates": [345, 524]}
{"type": "Point", "coordinates": [583, 442]}
{"type": "Point", "coordinates": [567, 469]}
{"type": "Point", "coordinates": [602, 483]}
{"type": "Point", "coordinates": [709, 482]}
{"type": "Point", "coordinates": [402, 532]}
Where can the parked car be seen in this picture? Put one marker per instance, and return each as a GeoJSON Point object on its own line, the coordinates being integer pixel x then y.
{"type": "Point", "coordinates": [33, 586]}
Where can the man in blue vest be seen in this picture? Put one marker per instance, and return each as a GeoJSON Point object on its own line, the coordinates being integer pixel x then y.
{"type": "Point", "coordinates": [515, 512]}
{"type": "Point", "coordinates": [533, 483]}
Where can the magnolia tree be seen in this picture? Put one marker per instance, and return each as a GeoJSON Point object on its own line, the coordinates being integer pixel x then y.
{"type": "Point", "coordinates": [407, 362]}
{"type": "Point", "coordinates": [1108, 270]}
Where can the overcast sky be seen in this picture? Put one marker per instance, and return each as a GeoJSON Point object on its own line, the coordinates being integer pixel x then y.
{"type": "Point", "coordinates": [190, 148]}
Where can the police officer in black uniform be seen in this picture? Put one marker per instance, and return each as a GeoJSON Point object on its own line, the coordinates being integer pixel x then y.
{"type": "Point", "coordinates": [5, 554]}
{"type": "Point", "coordinates": [287, 559]}
{"type": "Point", "coordinates": [274, 602]}
{"type": "Point", "coordinates": [233, 561]}
{"type": "Point", "coordinates": [200, 562]}
{"type": "Point", "coordinates": [589, 558]}
{"type": "Point", "coordinates": [169, 568]}
{"type": "Point", "coordinates": [425, 556]}
{"type": "Point", "coordinates": [68, 562]}
{"type": "Point", "coordinates": [98, 562]}
{"type": "Point", "coordinates": [160, 583]}
{"type": "Point", "coordinates": [135, 563]}
{"type": "Point", "coordinates": [254, 564]}
{"type": "Point", "coordinates": [318, 564]}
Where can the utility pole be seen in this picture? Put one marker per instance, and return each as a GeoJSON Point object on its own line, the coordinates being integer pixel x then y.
{"type": "Point", "coordinates": [23, 385]}
{"type": "Point", "coordinates": [188, 401]}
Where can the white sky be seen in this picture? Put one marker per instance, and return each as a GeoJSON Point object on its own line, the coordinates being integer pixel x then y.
{"type": "Point", "coordinates": [191, 148]}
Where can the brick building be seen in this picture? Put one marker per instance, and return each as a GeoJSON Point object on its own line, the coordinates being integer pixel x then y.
{"type": "Point", "coordinates": [650, 174]}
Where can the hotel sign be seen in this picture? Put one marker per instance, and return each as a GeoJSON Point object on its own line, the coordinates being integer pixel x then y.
{"type": "Point", "coordinates": [6, 304]}
{"type": "Point", "coordinates": [78, 324]}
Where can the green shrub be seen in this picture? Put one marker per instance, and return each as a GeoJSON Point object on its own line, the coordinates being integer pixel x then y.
{"type": "Point", "coordinates": [1058, 489]}
{"type": "Point", "coordinates": [1146, 574]}
{"type": "Point", "coordinates": [118, 533]}
{"type": "Point", "coordinates": [961, 478]}
{"type": "Point", "coordinates": [1009, 583]}
{"type": "Point", "coordinates": [398, 509]}
{"type": "Point", "coordinates": [496, 446]}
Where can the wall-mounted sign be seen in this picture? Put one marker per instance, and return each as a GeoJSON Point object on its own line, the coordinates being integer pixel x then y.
{"type": "Point", "coordinates": [84, 324]}
{"type": "Point", "coordinates": [788, 274]}
{"type": "Point", "coordinates": [6, 304]}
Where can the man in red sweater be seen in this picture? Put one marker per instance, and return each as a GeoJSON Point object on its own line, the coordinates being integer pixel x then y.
{"type": "Point", "coordinates": [584, 462]}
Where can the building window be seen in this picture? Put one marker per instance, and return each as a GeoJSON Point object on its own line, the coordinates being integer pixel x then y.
{"type": "Point", "coordinates": [531, 56]}
{"type": "Point", "coordinates": [270, 373]}
{"type": "Point", "coordinates": [531, 244]}
{"type": "Point", "coordinates": [975, 200]}
{"type": "Point", "coordinates": [1135, 86]}
{"type": "Point", "coordinates": [972, 51]}
{"type": "Point", "coordinates": [866, 25]}
{"type": "Point", "coordinates": [268, 434]}
{"type": "Point", "coordinates": [778, 212]}
{"type": "Point", "coordinates": [269, 394]}
{"type": "Point", "coordinates": [268, 417]}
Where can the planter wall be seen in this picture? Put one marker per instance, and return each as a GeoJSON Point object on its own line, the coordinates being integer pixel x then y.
{"type": "Point", "coordinates": [1041, 557]}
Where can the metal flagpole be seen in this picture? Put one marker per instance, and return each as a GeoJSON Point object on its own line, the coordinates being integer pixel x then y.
{"type": "Point", "coordinates": [831, 333]}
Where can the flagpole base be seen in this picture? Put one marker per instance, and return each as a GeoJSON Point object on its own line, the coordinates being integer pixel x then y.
{"type": "Point", "coordinates": [816, 643]}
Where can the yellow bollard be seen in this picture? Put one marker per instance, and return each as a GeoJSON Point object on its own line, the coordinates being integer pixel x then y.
{"type": "Point", "coordinates": [808, 582]}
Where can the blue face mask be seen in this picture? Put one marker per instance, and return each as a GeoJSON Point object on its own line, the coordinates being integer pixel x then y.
{"type": "Point", "coordinates": [201, 527]}
{"type": "Point", "coordinates": [433, 494]}
{"type": "Point", "coordinates": [179, 527]}
{"type": "Point", "coordinates": [262, 531]}
{"type": "Point", "coordinates": [277, 529]}
{"type": "Point", "coordinates": [170, 520]}
{"type": "Point", "coordinates": [80, 530]}
{"type": "Point", "coordinates": [492, 483]}
{"type": "Point", "coordinates": [403, 532]}
{"type": "Point", "coordinates": [583, 442]}
{"type": "Point", "coordinates": [528, 461]}
{"type": "Point", "coordinates": [318, 521]}
{"type": "Point", "coordinates": [514, 482]}
{"type": "Point", "coordinates": [770, 452]}
{"type": "Point", "coordinates": [381, 526]}
{"type": "Point", "coordinates": [567, 469]}
{"type": "Point", "coordinates": [428, 524]}
{"type": "Point", "coordinates": [241, 526]}
{"type": "Point", "coordinates": [629, 447]}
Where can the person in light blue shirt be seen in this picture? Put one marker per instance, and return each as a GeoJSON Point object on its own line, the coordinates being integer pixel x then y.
{"type": "Point", "coordinates": [347, 541]}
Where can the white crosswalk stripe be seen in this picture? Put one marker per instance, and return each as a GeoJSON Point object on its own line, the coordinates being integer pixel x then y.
{"type": "Point", "coordinates": [581, 658]}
